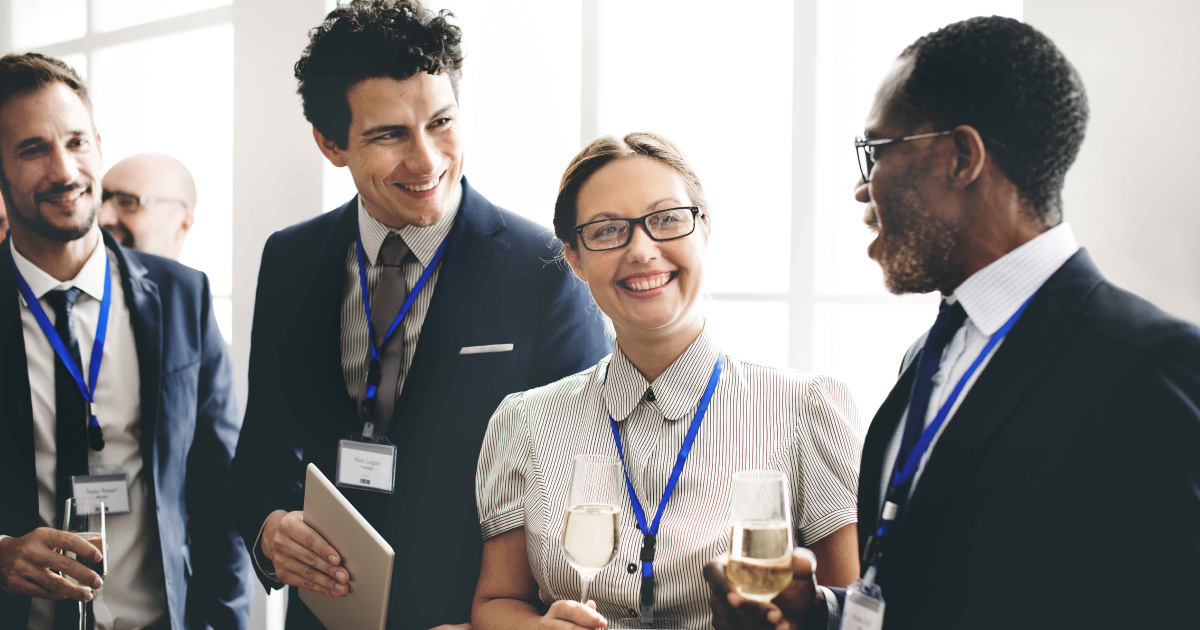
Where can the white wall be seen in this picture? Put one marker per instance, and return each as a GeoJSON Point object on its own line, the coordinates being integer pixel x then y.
{"type": "Point", "coordinates": [1130, 196]}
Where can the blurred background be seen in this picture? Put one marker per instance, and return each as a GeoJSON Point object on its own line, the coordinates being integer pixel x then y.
{"type": "Point", "coordinates": [764, 96]}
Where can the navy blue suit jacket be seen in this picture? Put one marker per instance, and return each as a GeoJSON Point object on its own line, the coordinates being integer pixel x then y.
{"type": "Point", "coordinates": [1065, 491]}
{"type": "Point", "coordinates": [189, 431]}
{"type": "Point", "coordinates": [496, 286]}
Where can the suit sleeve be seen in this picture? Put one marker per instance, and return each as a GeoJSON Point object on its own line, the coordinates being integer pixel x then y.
{"type": "Point", "coordinates": [571, 332]}
{"type": "Point", "coordinates": [268, 452]}
{"type": "Point", "coordinates": [219, 594]}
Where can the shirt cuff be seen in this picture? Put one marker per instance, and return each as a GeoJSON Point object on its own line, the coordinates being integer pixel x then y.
{"type": "Point", "coordinates": [496, 525]}
{"type": "Point", "coordinates": [265, 566]}
{"type": "Point", "coordinates": [833, 611]}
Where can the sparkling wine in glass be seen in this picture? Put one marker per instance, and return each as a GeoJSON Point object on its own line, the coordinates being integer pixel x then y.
{"type": "Point", "coordinates": [592, 522]}
{"type": "Point", "coordinates": [760, 534]}
{"type": "Point", "coordinates": [85, 517]}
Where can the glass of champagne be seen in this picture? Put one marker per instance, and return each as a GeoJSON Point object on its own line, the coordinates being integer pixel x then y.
{"type": "Point", "coordinates": [592, 523]}
{"type": "Point", "coordinates": [85, 517]}
{"type": "Point", "coordinates": [760, 534]}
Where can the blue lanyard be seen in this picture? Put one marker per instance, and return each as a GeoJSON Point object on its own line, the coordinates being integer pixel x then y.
{"type": "Point", "coordinates": [903, 472]}
{"type": "Point", "coordinates": [650, 532]}
{"type": "Point", "coordinates": [373, 366]}
{"type": "Point", "coordinates": [89, 393]}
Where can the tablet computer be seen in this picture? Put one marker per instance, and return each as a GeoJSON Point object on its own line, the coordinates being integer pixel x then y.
{"type": "Point", "coordinates": [365, 555]}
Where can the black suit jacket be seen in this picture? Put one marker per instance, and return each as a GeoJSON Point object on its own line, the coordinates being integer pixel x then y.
{"type": "Point", "coordinates": [495, 286]}
{"type": "Point", "coordinates": [1065, 491]}
{"type": "Point", "coordinates": [189, 430]}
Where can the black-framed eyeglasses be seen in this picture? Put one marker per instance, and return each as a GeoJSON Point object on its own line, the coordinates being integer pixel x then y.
{"type": "Point", "coordinates": [128, 203]}
{"type": "Point", "coordinates": [661, 225]}
{"type": "Point", "coordinates": [865, 147]}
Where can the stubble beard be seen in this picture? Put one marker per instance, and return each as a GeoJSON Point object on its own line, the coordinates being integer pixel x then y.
{"type": "Point", "coordinates": [918, 249]}
{"type": "Point", "coordinates": [36, 222]}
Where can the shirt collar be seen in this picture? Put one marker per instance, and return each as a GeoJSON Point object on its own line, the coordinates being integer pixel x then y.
{"type": "Point", "coordinates": [677, 390]}
{"type": "Point", "coordinates": [423, 242]}
{"type": "Point", "coordinates": [90, 278]}
{"type": "Point", "coordinates": [994, 293]}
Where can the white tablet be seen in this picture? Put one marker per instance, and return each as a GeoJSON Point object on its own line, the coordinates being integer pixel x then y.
{"type": "Point", "coordinates": [365, 555]}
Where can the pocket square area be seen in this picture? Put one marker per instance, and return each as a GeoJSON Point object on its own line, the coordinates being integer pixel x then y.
{"type": "Point", "coordinates": [496, 347]}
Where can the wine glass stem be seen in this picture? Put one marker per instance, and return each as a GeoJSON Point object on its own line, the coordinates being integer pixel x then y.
{"type": "Point", "coordinates": [82, 616]}
{"type": "Point", "coordinates": [586, 581]}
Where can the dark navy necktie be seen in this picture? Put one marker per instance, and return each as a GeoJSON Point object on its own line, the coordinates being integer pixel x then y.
{"type": "Point", "coordinates": [950, 318]}
{"type": "Point", "coordinates": [70, 410]}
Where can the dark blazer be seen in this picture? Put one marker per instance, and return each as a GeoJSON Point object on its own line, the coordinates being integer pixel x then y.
{"type": "Point", "coordinates": [189, 430]}
{"type": "Point", "coordinates": [1065, 491]}
{"type": "Point", "coordinates": [496, 286]}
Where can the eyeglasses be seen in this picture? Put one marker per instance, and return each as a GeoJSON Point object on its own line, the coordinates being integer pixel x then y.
{"type": "Point", "coordinates": [128, 203]}
{"type": "Point", "coordinates": [661, 225]}
{"type": "Point", "coordinates": [866, 149]}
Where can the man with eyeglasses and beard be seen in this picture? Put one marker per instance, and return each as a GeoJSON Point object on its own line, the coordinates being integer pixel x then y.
{"type": "Point", "coordinates": [116, 381]}
{"type": "Point", "coordinates": [1037, 465]}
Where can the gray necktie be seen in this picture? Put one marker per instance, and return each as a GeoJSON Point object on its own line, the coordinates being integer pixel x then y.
{"type": "Point", "coordinates": [390, 292]}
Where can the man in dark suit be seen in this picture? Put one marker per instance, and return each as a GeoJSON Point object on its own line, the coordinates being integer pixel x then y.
{"type": "Point", "coordinates": [487, 314]}
{"type": "Point", "coordinates": [153, 408]}
{"type": "Point", "coordinates": [1047, 477]}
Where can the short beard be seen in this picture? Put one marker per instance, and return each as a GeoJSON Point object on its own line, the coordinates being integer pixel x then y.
{"type": "Point", "coordinates": [38, 223]}
{"type": "Point", "coordinates": [918, 255]}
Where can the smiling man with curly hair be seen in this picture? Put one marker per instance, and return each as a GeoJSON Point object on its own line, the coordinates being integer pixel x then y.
{"type": "Point", "coordinates": [404, 316]}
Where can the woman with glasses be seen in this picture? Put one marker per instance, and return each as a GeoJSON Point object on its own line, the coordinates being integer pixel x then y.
{"type": "Point", "coordinates": [669, 403]}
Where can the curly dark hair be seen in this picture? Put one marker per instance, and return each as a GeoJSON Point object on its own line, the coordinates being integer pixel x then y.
{"type": "Point", "coordinates": [607, 149]}
{"type": "Point", "coordinates": [32, 71]}
{"type": "Point", "coordinates": [368, 39]}
{"type": "Point", "coordinates": [1012, 84]}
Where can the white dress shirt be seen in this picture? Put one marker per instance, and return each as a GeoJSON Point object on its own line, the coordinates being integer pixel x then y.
{"type": "Point", "coordinates": [133, 595]}
{"type": "Point", "coordinates": [990, 297]}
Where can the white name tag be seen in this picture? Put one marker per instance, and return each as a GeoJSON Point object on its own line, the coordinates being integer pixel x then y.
{"type": "Point", "coordinates": [366, 466]}
{"type": "Point", "coordinates": [862, 612]}
{"type": "Point", "coordinates": [113, 489]}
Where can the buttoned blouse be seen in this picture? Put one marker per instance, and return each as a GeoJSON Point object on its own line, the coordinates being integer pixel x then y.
{"type": "Point", "coordinates": [760, 417]}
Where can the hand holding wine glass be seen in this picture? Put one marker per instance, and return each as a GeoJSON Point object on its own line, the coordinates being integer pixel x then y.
{"type": "Point", "coordinates": [592, 523]}
{"type": "Point", "coordinates": [24, 561]}
{"type": "Point", "coordinates": [760, 534]}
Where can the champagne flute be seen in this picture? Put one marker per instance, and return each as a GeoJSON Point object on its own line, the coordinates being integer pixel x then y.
{"type": "Point", "coordinates": [593, 520]}
{"type": "Point", "coordinates": [760, 534]}
{"type": "Point", "coordinates": [85, 517]}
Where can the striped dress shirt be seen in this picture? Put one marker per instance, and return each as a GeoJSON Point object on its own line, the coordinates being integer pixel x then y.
{"type": "Point", "coordinates": [760, 418]}
{"type": "Point", "coordinates": [356, 341]}
{"type": "Point", "coordinates": [990, 297]}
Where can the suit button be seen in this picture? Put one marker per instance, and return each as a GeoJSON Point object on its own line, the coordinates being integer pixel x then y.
{"type": "Point", "coordinates": [632, 568]}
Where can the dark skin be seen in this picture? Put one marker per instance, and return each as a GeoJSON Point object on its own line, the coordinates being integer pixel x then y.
{"type": "Point", "coordinates": [953, 182]}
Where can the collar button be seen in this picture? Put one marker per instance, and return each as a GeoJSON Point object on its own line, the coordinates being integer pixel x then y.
{"type": "Point", "coordinates": [650, 397]}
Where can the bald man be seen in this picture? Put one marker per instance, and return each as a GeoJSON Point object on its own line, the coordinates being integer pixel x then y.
{"type": "Point", "coordinates": [149, 200]}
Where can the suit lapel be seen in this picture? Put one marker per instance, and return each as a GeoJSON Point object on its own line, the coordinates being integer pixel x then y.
{"type": "Point", "coordinates": [1011, 374]}
{"type": "Point", "coordinates": [18, 494]}
{"type": "Point", "coordinates": [883, 427]}
{"type": "Point", "coordinates": [472, 260]}
{"type": "Point", "coordinates": [145, 317]}
{"type": "Point", "coordinates": [320, 358]}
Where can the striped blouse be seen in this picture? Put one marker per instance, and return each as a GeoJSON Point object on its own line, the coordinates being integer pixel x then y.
{"type": "Point", "coordinates": [760, 417]}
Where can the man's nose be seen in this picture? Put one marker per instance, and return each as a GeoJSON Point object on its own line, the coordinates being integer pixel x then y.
{"type": "Point", "coordinates": [422, 156]}
{"type": "Point", "coordinates": [63, 168]}
{"type": "Point", "coordinates": [862, 191]}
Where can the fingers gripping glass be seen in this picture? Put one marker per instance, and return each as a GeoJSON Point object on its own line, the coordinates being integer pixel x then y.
{"type": "Point", "coordinates": [662, 225]}
{"type": "Point", "coordinates": [866, 149]}
{"type": "Point", "coordinates": [128, 203]}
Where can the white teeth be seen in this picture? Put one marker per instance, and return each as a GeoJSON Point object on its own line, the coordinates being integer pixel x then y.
{"type": "Point", "coordinates": [66, 198]}
{"type": "Point", "coordinates": [420, 187]}
{"type": "Point", "coordinates": [645, 284]}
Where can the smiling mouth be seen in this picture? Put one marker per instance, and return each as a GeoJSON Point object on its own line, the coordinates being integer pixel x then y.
{"type": "Point", "coordinates": [647, 283]}
{"type": "Point", "coordinates": [423, 186]}
{"type": "Point", "coordinates": [65, 198]}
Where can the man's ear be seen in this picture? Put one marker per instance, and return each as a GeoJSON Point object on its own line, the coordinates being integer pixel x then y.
{"type": "Point", "coordinates": [188, 220]}
{"type": "Point", "coordinates": [970, 153]}
{"type": "Point", "coordinates": [329, 148]}
{"type": "Point", "coordinates": [572, 257]}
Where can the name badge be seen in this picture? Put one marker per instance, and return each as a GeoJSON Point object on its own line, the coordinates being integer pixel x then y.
{"type": "Point", "coordinates": [864, 608]}
{"type": "Point", "coordinates": [113, 489]}
{"type": "Point", "coordinates": [366, 466]}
